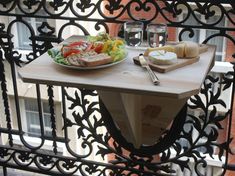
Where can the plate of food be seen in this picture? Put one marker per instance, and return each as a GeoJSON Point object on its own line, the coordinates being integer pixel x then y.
{"type": "Point", "coordinates": [94, 52]}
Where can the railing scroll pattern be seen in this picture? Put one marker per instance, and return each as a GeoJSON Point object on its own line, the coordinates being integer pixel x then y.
{"type": "Point", "coordinates": [116, 155]}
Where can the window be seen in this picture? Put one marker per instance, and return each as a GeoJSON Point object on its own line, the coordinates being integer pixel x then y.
{"type": "Point", "coordinates": [201, 34]}
{"type": "Point", "coordinates": [23, 31]}
{"type": "Point", "coordinates": [32, 118]}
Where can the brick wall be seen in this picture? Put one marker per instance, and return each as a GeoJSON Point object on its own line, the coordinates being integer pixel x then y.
{"type": "Point", "coordinates": [230, 48]}
{"type": "Point", "coordinates": [114, 28]}
{"type": "Point", "coordinates": [232, 157]}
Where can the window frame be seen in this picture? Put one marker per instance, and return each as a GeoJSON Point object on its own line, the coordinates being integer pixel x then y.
{"type": "Point", "coordinates": [47, 129]}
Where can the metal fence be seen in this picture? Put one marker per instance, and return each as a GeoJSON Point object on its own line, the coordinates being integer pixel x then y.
{"type": "Point", "coordinates": [68, 131]}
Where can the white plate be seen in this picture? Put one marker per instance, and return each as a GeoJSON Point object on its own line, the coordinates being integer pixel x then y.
{"type": "Point", "coordinates": [89, 68]}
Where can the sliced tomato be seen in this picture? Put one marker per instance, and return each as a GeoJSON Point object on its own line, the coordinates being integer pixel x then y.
{"type": "Point", "coordinates": [98, 47]}
{"type": "Point", "coordinates": [66, 54]}
{"type": "Point", "coordinates": [75, 48]}
{"type": "Point", "coordinates": [77, 43]}
{"type": "Point", "coordinates": [68, 50]}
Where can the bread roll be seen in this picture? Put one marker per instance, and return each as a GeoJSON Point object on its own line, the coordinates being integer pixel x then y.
{"type": "Point", "coordinates": [180, 50]}
{"type": "Point", "coordinates": [191, 49]}
{"type": "Point", "coordinates": [186, 49]}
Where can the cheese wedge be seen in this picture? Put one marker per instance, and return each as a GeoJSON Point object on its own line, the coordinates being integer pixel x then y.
{"type": "Point", "coordinates": [161, 57]}
{"type": "Point", "coordinates": [168, 48]}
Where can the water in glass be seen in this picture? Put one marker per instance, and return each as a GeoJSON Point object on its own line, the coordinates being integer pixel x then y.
{"type": "Point", "coordinates": [156, 35]}
{"type": "Point", "coordinates": [133, 34]}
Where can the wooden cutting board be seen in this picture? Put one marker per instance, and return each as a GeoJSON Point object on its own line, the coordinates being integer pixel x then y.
{"type": "Point", "coordinates": [181, 62]}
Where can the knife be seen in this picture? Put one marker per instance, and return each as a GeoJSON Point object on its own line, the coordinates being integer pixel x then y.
{"type": "Point", "coordinates": [144, 64]}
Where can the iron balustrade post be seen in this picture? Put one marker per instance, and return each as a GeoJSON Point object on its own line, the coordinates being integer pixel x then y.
{"type": "Point", "coordinates": [4, 171]}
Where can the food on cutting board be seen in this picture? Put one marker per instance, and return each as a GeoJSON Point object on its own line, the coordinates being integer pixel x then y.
{"type": "Point", "coordinates": [187, 49]}
{"type": "Point", "coordinates": [91, 52]}
{"type": "Point", "coordinates": [179, 50]}
{"type": "Point", "coordinates": [162, 57]}
{"type": "Point", "coordinates": [168, 48]}
{"type": "Point", "coordinates": [184, 49]}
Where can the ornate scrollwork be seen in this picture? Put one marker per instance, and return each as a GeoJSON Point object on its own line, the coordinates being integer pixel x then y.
{"type": "Point", "coordinates": [4, 153]}
{"type": "Point", "coordinates": [207, 125]}
{"type": "Point", "coordinates": [113, 5]}
{"type": "Point", "coordinates": [5, 3]}
{"type": "Point", "coordinates": [166, 9]}
{"type": "Point", "coordinates": [57, 3]}
{"type": "Point", "coordinates": [116, 155]}
{"type": "Point", "coordinates": [85, 4]}
{"type": "Point", "coordinates": [30, 3]}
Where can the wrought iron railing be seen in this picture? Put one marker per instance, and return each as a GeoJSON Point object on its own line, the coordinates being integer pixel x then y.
{"type": "Point", "coordinates": [107, 152]}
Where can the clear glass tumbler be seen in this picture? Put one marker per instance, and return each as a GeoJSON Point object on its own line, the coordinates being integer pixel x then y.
{"type": "Point", "coordinates": [156, 34]}
{"type": "Point", "coordinates": [133, 33]}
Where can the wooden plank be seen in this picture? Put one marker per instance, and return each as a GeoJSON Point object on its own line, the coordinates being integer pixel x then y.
{"type": "Point", "coordinates": [132, 105]}
{"type": "Point", "coordinates": [166, 68]}
{"type": "Point", "coordinates": [115, 106]}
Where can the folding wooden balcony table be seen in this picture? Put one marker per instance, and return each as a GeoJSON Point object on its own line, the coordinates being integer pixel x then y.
{"type": "Point", "coordinates": [140, 108]}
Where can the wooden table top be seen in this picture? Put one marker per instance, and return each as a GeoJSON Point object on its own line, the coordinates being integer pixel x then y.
{"type": "Point", "coordinates": [125, 77]}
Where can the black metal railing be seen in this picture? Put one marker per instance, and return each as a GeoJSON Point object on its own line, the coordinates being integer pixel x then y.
{"type": "Point", "coordinates": [87, 142]}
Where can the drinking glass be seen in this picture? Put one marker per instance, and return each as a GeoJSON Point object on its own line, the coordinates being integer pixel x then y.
{"type": "Point", "coordinates": [133, 33]}
{"type": "Point", "coordinates": [156, 34]}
